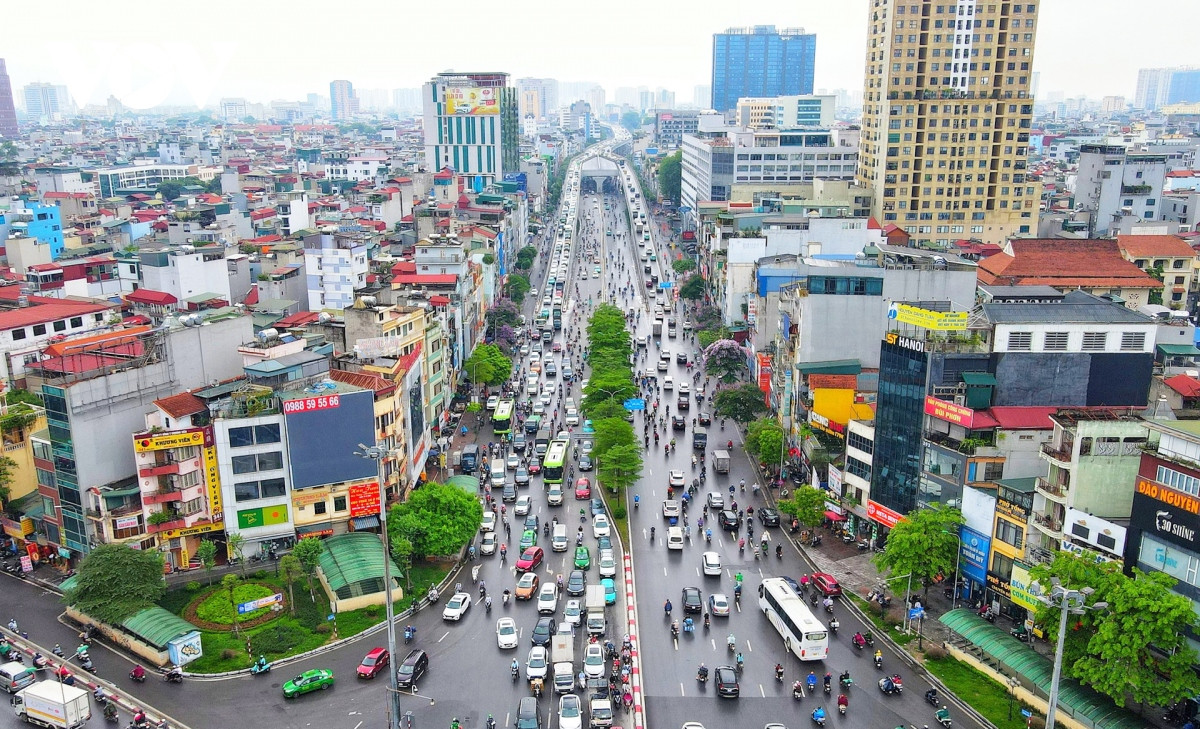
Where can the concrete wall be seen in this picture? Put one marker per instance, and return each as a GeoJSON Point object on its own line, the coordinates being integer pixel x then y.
{"type": "Point", "coordinates": [208, 353]}
{"type": "Point", "coordinates": [1021, 450]}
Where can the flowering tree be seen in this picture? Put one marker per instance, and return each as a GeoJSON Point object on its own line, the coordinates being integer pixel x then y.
{"type": "Point", "coordinates": [725, 359]}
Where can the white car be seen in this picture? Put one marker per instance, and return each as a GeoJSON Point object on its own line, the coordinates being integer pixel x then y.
{"type": "Point", "coordinates": [492, 402]}
{"type": "Point", "coordinates": [547, 600]}
{"type": "Point", "coordinates": [572, 416]}
{"type": "Point", "coordinates": [489, 522]}
{"type": "Point", "coordinates": [457, 607]}
{"type": "Point", "coordinates": [712, 564]}
{"type": "Point", "coordinates": [600, 526]}
{"type": "Point", "coordinates": [668, 383]}
{"type": "Point", "coordinates": [524, 504]}
{"type": "Point", "coordinates": [570, 712]}
{"type": "Point", "coordinates": [513, 462]}
{"type": "Point", "coordinates": [539, 408]}
{"type": "Point", "coordinates": [546, 398]}
{"type": "Point", "coordinates": [554, 495]}
{"type": "Point", "coordinates": [487, 545]}
{"type": "Point", "coordinates": [573, 613]}
{"type": "Point", "coordinates": [608, 563]}
{"type": "Point", "coordinates": [678, 479]}
{"type": "Point", "coordinates": [538, 663]}
{"type": "Point", "coordinates": [593, 660]}
{"type": "Point", "coordinates": [718, 604]}
{"type": "Point", "coordinates": [506, 633]}
{"type": "Point", "coordinates": [685, 388]}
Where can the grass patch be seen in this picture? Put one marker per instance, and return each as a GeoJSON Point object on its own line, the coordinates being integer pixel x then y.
{"type": "Point", "coordinates": [988, 697]}
{"type": "Point", "coordinates": [218, 608]}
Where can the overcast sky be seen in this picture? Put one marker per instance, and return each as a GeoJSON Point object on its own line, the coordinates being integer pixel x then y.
{"type": "Point", "coordinates": [195, 53]}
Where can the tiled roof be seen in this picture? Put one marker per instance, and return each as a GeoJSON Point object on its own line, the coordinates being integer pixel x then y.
{"type": "Point", "coordinates": [1063, 263]}
{"type": "Point", "coordinates": [42, 309]}
{"type": "Point", "coordinates": [299, 319]}
{"type": "Point", "coordinates": [404, 267]}
{"type": "Point", "coordinates": [106, 342]}
{"type": "Point", "coordinates": [426, 278]}
{"type": "Point", "coordinates": [364, 380]}
{"type": "Point", "coordinates": [262, 213]}
{"type": "Point", "coordinates": [181, 405]}
{"type": "Point", "coordinates": [1154, 245]}
{"type": "Point", "coordinates": [1184, 385]}
{"type": "Point", "coordinates": [1024, 418]}
{"type": "Point", "coordinates": [149, 296]}
{"type": "Point", "coordinates": [66, 195]}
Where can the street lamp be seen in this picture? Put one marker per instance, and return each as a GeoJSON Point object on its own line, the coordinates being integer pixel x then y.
{"type": "Point", "coordinates": [1070, 602]}
{"type": "Point", "coordinates": [377, 453]}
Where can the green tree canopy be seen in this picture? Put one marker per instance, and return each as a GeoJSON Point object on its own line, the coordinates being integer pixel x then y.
{"type": "Point", "coordinates": [517, 287]}
{"type": "Point", "coordinates": [631, 120]}
{"type": "Point", "coordinates": [608, 385]}
{"type": "Point", "coordinates": [487, 365]}
{"type": "Point", "coordinates": [503, 312]}
{"type": "Point", "coordinates": [670, 174]}
{"type": "Point", "coordinates": [611, 432]}
{"type": "Point", "coordinates": [608, 409]}
{"type": "Point", "coordinates": [805, 503]}
{"type": "Point", "coordinates": [438, 518]}
{"type": "Point", "coordinates": [755, 429]}
{"type": "Point", "coordinates": [770, 446]}
{"type": "Point", "coordinates": [742, 403]}
{"type": "Point", "coordinates": [207, 554]}
{"type": "Point", "coordinates": [683, 265]}
{"type": "Point", "coordinates": [526, 256]}
{"type": "Point", "coordinates": [692, 289]}
{"type": "Point", "coordinates": [706, 337]}
{"type": "Point", "coordinates": [621, 467]}
{"type": "Point", "coordinates": [114, 582]}
{"type": "Point", "coordinates": [924, 544]}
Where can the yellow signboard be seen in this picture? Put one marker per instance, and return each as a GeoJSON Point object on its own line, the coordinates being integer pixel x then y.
{"type": "Point", "coordinates": [177, 439]}
{"type": "Point", "coordinates": [926, 319]}
{"type": "Point", "coordinates": [212, 479]}
{"type": "Point", "coordinates": [472, 100]}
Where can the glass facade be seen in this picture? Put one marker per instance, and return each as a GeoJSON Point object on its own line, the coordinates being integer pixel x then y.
{"type": "Point", "coordinates": [761, 62]}
{"type": "Point", "coordinates": [899, 421]}
{"type": "Point", "coordinates": [74, 528]}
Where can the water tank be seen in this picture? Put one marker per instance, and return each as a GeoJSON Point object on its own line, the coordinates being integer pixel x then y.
{"type": "Point", "coordinates": [324, 317]}
{"type": "Point", "coordinates": [368, 300]}
{"type": "Point", "coordinates": [267, 335]}
{"type": "Point", "coordinates": [187, 248]}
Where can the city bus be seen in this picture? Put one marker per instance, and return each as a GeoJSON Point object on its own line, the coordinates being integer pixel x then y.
{"type": "Point", "coordinates": [555, 465]}
{"type": "Point", "coordinates": [803, 635]}
{"type": "Point", "coordinates": [502, 417]}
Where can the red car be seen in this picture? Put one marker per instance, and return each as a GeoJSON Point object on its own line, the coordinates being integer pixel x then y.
{"type": "Point", "coordinates": [556, 347]}
{"type": "Point", "coordinates": [373, 663]}
{"type": "Point", "coordinates": [583, 489]}
{"type": "Point", "coordinates": [826, 584]}
{"type": "Point", "coordinates": [535, 467]}
{"type": "Point", "coordinates": [530, 559]}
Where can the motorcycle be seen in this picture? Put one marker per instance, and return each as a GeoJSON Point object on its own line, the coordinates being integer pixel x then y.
{"type": "Point", "coordinates": [515, 672]}
{"type": "Point", "coordinates": [85, 662]}
{"type": "Point", "coordinates": [943, 717]}
{"type": "Point", "coordinates": [408, 633]}
{"type": "Point", "coordinates": [878, 661]}
{"type": "Point", "coordinates": [986, 613]}
{"type": "Point", "coordinates": [797, 691]}
{"type": "Point", "coordinates": [110, 712]}
{"type": "Point", "coordinates": [702, 674]}
{"type": "Point", "coordinates": [433, 595]}
{"type": "Point", "coordinates": [932, 698]}
{"type": "Point", "coordinates": [779, 673]}
{"type": "Point", "coordinates": [834, 625]}
{"type": "Point", "coordinates": [674, 629]}
{"type": "Point", "coordinates": [891, 685]}
{"type": "Point", "coordinates": [818, 716]}
{"type": "Point", "coordinates": [1020, 633]}
{"type": "Point", "coordinates": [173, 676]}
{"type": "Point", "coordinates": [138, 674]}
{"type": "Point", "coordinates": [260, 667]}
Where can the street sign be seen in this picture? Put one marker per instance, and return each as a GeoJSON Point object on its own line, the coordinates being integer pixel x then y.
{"type": "Point", "coordinates": [1026, 713]}
{"type": "Point", "coordinates": [916, 613]}
{"type": "Point", "coordinates": [666, 284]}
{"type": "Point", "coordinates": [262, 602]}
{"type": "Point", "coordinates": [635, 403]}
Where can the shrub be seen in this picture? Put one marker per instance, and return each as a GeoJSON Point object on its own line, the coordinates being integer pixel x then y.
{"type": "Point", "coordinates": [192, 586]}
{"type": "Point", "coordinates": [261, 575]}
{"type": "Point", "coordinates": [619, 511]}
{"type": "Point", "coordinates": [372, 611]}
{"type": "Point", "coordinates": [229, 654]}
{"type": "Point", "coordinates": [323, 628]}
{"type": "Point", "coordinates": [216, 608]}
{"type": "Point", "coordinates": [277, 639]}
{"type": "Point", "coordinates": [934, 651]}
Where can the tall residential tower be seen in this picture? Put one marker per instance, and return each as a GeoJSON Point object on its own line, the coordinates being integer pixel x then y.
{"type": "Point", "coordinates": [761, 61]}
{"type": "Point", "coordinates": [343, 104]}
{"type": "Point", "coordinates": [8, 111]}
{"type": "Point", "coordinates": [946, 117]}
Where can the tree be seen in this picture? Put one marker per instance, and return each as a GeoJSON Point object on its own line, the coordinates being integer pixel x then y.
{"type": "Point", "coordinates": [1136, 647]}
{"type": "Point", "coordinates": [7, 468]}
{"type": "Point", "coordinates": [755, 429]}
{"type": "Point", "coordinates": [631, 120]}
{"type": "Point", "coordinates": [487, 365]}
{"type": "Point", "coordinates": [609, 409]}
{"type": "Point", "coordinates": [742, 403]}
{"type": "Point", "coordinates": [611, 432]}
{"type": "Point", "coordinates": [503, 312]}
{"type": "Point", "coordinates": [725, 359]}
{"type": "Point", "coordinates": [114, 582]}
{"type": "Point", "coordinates": [445, 518]}
{"type": "Point", "coordinates": [924, 545]}
{"type": "Point", "coordinates": [807, 504]}
{"type": "Point", "coordinates": [1156, 294]}
{"type": "Point", "coordinates": [207, 554]}
{"type": "Point", "coordinates": [706, 337]}
{"type": "Point", "coordinates": [291, 569]}
{"type": "Point", "coordinates": [517, 287]}
{"type": "Point", "coordinates": [670, 174]}
{"type": "Point", "coordinates": [683, 265]}
{"type": "Point", "coordinates": [770, 446]}
{"type": "Point", "coordinates": [230, 583]}
{"type": "Point", "coordinates": [621, 467]}
{"type": "Point", "coordinates": [235, 544]}
{"type": "Point", "coordinates": [608, 385]}
{"type": "Point", "coordinates": [708, 317]}
{"type": "Point", "coordinates": [692, 289]}
{"type": "Point", "coordinates": [172, 189]}
{"type": "Point", "coordinates": [525, 257]}
{"type": "Point", "coordinates": [309, 551]}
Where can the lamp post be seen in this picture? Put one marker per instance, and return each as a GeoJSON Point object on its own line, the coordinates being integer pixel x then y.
{"type": "Point", "coordinates": [1012, 691]}
{"type": "Point", "coordinates": [377, 453]}
{"type": "Point", "coordinates": [1069, 602]}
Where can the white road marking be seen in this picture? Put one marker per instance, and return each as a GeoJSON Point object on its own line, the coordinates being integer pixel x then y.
{"type": "Point", "coordinates": [444, 636]}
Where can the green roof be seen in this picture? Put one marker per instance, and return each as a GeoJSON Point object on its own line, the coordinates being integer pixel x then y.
{"type": "Point", "coordinates": [831, 367]}
{"type": "Point", "coordinates": [157, 626]}
{"type": "Point", "coordinates": [470, 484]}
{"type": "Point", "coordinates": [979, 378]}
{"type": "Point", "coordinates": [353, 564]}
{"type": "Point", "coordinates": [1179, 350]}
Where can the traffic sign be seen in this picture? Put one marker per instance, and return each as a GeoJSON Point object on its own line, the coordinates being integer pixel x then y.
{"type": "Point", "coordinates": [635, 403]}
{"type": "Point", "coordinates": [1026, 713]}
{"type": "Point", "coordinates": [916, 613]}
{"type": "Point", "coordinates": [666, 284]}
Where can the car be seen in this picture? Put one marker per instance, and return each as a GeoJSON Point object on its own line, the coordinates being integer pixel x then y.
{"type": "Point", "coordinates": [603, 543]}
{"type": "Point", "coordinates": [668, 383]}
{"type": "Point", "coordinates": [643, 341]}
{"type": "Point", "coordinates": [583, 489]}
{"type": "Point", "coordinates": [608, 563]}
{"type": "Point", "coordinates": [681, 357]}
{"type": "Point", "coordinates": [530, 559]}
{"type": "Point", "coordinates": [535, 466]}
{"type": "Point", "coordinates": [576, 583]}
{"type": "Point", "coordinates": [649, 284]}
{"type": "Point", "coordinates": [570, 712]}
{"type": "Point", "coordinates": [543, 631]}
{"type": "Point", "coordinates": [583, 558]}
{"type": "Point", "coordinates": [730, 520]}
{"type": "Point", "coordinates": [768, 516]}
{"type": "Point", "coordinates": [585, 462]}
{"type": "Point", "coordinates": [704, 418]}
{"type": "Point", "coordinates": [596, 505]}
{"type": "Point", "coordinates": [489, 522]}
{"type": "Point", "coordinates": [663, 365]}
{"type": "Point", "coordinates": [687, 326]}
{"type": "Point", "coordinates": [600, 526]}
{"type": "Point", "coordinates": [586, 446]}
{"type": "Point", "coordinates": [492, 402]}
{"type": "Point", "coordinates": [531, 522]}
{"type": "Point", "coordinates": [716, 501]}
{"type": "Point", "coordinates": [412, 668]}
{"type": "Point", "coordinates": [524, 504]}
{"type": "Point", "coordinates": [506, 633]}
{"type": "Point", "coordinates": [317, 678]}
{"type": "Point", "coordinates": [670, 509]}
{"type": "Point", "coordinates": [684, 389]}
{"type": "Point", "coordinates": [547, 600]}
{"type": "Point", "coordinates": [539, 407]}
{"type": "Point", "coordinates": [683, 403]}
{"type": "Point", "coordinates": [727, 682]}
{"type": "Point", "coordinates": [513, 462]}
{"type": "Point", "coordinates": [519, 443]}
{"type": "Point", "coordinates": [487, 545]}
{"type": "Point", "coordinates": [538, 663]}
{"type": "Point", "coordinates": [457, 606]}
{"type": "Point", "coordinates": [610, 591]}
{"type": "Point", "coordinates": [692, 603]}
{"type": "Point", "coordinates": [528, 539]}
{"type": "Point", "coordinates": [678, 422]}
{"type": "Point", "coordinates": [527, 714]}
{"type": "Point", "coordinates": [593, 660]}
{"type": "Point", "coordinates": [573, 612]}
{"type": "Point", "coordinates": [718, 604]}
{"type": "Point", "coordinates": [711, 562]}
{"type": "Point", "coordinates": [825, 582]}
{"type": "Point", "coordinates": [527, 586]}
{"type": "Point", "coordinates": [375, 661]}
{"type": "Point", "coordinates": [677, 479]}
{"type": "Point", "coordinates": [556, 347]}
{"type": "Point", "coordinates": [509, 493]}
{"type": "Point", "coordinates": [525, 347]}
{"type": "Point", "coordinates": [588, 428]}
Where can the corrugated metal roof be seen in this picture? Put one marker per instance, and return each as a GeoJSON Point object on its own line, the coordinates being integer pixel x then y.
{"type": "Point", "coordinates": [157, 626]}
{"type": "Point", "coordinates": [1077, 306]}
{"type": "Point", "coordinates": [353, 564]}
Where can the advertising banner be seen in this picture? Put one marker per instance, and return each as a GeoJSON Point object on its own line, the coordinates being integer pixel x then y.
{"type": "Point", "coordinates": [926, 319]}
{"type": "Point", "coordinates": [125, 522]}
{"type": "Point", "coordinates": [973, 551]}
{"type": "Point", "coordinates": [176, 439]}
{"type": "Point", "coordinates": [309, 404]}
{"type": "Point", "coordinates": [948, 411]}
{"type": "Point", "coordinates": [364, 499]}
{"type": "Point", "coordinates": [880, 513]}
{"type": "Point", "coordinates": [1166, 513]}
{"type": "Point", "coordinates": [1019, 583]}
{"type": "Point", "coordinates": [472, 100]}
{"type": "Point", "coordinates": [262, 516]}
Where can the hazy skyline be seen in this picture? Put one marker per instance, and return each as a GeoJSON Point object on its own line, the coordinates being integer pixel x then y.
{"type": "Point", "coordinates": [265, 51]}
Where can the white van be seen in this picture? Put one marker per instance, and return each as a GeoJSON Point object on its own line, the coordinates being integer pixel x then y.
{"type": "Point", "coordinates": [554, 495]}
{"type": "Point", "coordinates": [496, 466]}
{"type": "Point", "coordinates": [559, 542]}
{"type": "Point", "coordinates": [674, 538]}
{"type": "Point", "coordinates": [572, 416]}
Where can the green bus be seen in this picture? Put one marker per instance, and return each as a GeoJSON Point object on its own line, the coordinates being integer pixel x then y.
{"type": "Point", "coordinates": [503, 416]}
{"type": "Point", "coordinates": [557, 456]}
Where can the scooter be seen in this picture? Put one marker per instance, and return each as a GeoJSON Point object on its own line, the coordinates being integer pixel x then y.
{"type": "Point", "coordinates": [797, 691]}
{"type": "Point", "coordinates": [173, 676]}
{"type": "Point", "coordinates": [139, 676]}
{"type": "Point", "coordinates": [85, 662]}
{"type": "Point", "coordinates": [932, 698]}
{"type": "Point", "coordinates": [433, 595]}
{"type": "Point", "coordinates": [896, 685]}
{"type": "Point", "coordinates": [260, 668]}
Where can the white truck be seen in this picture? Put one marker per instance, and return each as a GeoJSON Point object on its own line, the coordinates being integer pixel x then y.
{"type": "Point", "coordinates": [52, 704]}
{"type": "Point", "coordinates": [601, 713]}
{"type": "Point", "coordinates": [595, 610]}
{"type": "Point", "coordinates": [562, 655]}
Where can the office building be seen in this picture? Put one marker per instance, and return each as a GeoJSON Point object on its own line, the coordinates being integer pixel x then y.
{"type": "Point", "coordinates": [761, 61]}
{"type": "Point", "coordinates": [45, 102]}
{"type": "Point", "coordinates": [472, 126]}
{"type": "Point", "coordinates": [8, 112]}
{"type": "Point", "coordinates": [946, 119]}
{"type": "Point", "coordinates": [702, 97]}
{"type": "Point", "coordinates": [671, 126]}
{"type": "Point", "coordinates": [786, 112]}
{"type": "Point", "coordinates": [343, 102]}
{"type": "Point", "coordinates": [1158, 87]}
{"type": "Point", "coordinates": [1115, 183]}
{"type": "Point", "coordinates": [537, 97]}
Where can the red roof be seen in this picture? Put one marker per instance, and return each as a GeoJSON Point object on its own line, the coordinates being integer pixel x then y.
{"type": "Point", "coordinates": [439, 300]}
{"type": "Point", "coordinates": [299, 319]}
{"type": "Point", "coordinates": [428, 278]}
{"type": "Point", "coordinates": [356, 209]}
{"type": "Point", "coordinates": [364, 380]}
{"type": "Point", "coordinates": [1064, 264]}
{"type": "Point", "coordinates": [80, 363]}
{"type": "Point", "coordinates": [404, 267]}
{"type": "Point", "coordinates": [1150, 246]}
{"type": "Point", "coordinates": [252, 297]}
{"type": "Point", "coordinates": [873, 224]}
{"type": "Point", "coordinates": [273, 238]}
{"type": "Point", "coordinates": [105, 342]}
{"type": "Point", "coordinates": [149, 296]}
{"type": "Point", "coordinates": [1024, 418]}
{"type": "Point", "coordinates": [66, 195]}
{"type": "Point", "coordinates": [42, 309]}
{"type": "Point", "coordinates": [140, 196]}
{"type": "Point", "coordinates": [181, 405]}
{"type": "Point", "coordinates": [262, 213]}
{"type": "Point", "coordinates": [1184, 385]}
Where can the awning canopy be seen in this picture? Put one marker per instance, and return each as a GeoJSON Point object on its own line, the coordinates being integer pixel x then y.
{"type": "Point", "coordinates": [834, 516]}
{"type": "Point", "coordinates": [319, 529]}
{"type": "Point", "coordinates": [831, 367]}
{"type": "Point", "coordinates": [371, 521]}
{"type": "Point", "coordinates": [979, 378]}
{"type": "Point", "coordinates": [1179, 350]}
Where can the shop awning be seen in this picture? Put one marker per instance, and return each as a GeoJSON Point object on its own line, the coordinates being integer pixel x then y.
{"type": "Point", "coordinates": [320, 529]}
{"type": "Point", "coordinates": [1178, 350]}
{"type": "Point", "coordinates": [979, 378]}
{"type": "Point", "coordinates": [360, 523]}
{"type": "Point", "coordinates": [834, 516]}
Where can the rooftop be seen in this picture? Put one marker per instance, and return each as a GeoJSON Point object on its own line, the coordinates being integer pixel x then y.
{"type": "Point", "coordinates": [1150, 246]}
{"type": "Point", "coordinates": [1063, 263]}
{"type": "Point", "coordinates": [181, 405]}
{"type": "Point", "coordinates": [1075, 307]}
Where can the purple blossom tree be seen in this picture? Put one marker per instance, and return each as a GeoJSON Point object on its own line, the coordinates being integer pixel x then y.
{"type": "Point", "coordinates": [725, 360]}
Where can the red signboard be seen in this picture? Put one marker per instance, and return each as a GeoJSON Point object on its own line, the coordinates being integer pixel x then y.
{"type": "Point", "coordinates": [308, 404]}
{"type": "Point", "coordinates": [364, 499]}
{"type": "Point", "coordinates": [949, 412]}
{"type": "Point", "coordinates": [764, 373]}
{"type": "Point", "coordinates": [880, 513]}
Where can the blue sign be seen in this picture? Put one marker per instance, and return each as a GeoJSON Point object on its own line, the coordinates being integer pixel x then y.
{"type": "Point", "coordinates": [973, 552]}
{"type": "Point", "coordinates": [635, 403]}
{"type": "Point", "coordinates": [1026, 713]}
{"type": "Point", "coordinates": [916, 613]}
{"type": "Point", "coordinates": [666, 284]}
{"type": "Point", "coordinates": [685, 209]}
{"type": "Point", "coordinates": [262, 602]}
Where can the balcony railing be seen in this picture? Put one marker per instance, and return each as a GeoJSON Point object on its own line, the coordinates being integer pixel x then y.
{"type": "Point", "coordinates": [1049, 524]}
{"type": "Point", "coordinates": [1058, 453]}
{"type": "Point", "coordinates": [166, 526]}
{"type": "Point", "coordinates": [1052, 491]}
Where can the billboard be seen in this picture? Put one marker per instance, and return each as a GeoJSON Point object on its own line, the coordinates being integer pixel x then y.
{"type": "Point", "coordinates": [172, 439]}
{"type": "Point", "coordinates": [926, 319]}
{"type": "Point", "coordinates": [322, 440]}
{"type": "Point", "coordinates": [472, 100]}
{"type": "Point", "coordinates": [973, 551]}
{"type": "Point", "coordinates": [948, 411]}
{"type": "Point", "coordinates": [880, 513]}
{"type": "Point", "coordinates": [364, 499]}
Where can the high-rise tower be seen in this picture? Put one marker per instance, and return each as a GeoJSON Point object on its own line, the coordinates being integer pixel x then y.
{"type": "Point", "coordinates": [343, 104]}
{"type": "Point", "coordinates": [8, 111]}
{"type": "Point", "coordinates": [761, 61]}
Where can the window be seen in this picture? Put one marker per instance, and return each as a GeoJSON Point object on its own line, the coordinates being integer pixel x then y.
{"type": "Point", "coordinates": [273, 487]}
{"type": "Point", "coordinates": [858, 468]}
{"type": "Point", "coordinates": [1020, 341]}
{"type": "Point", "coordinates": [1133, 341]}
{"type": "Point", "coordinates": [854, 440]}
{"type": "Point", "coordinates": [245, 464]}
{"type": "Point", "coordinates": [76, 322]}
{"type": "Point", "coordinates": [319, 507]}
{"type": "Point", "coordinates": [1055, 342]}
{"type": "Point", "coordinates": [1178, 480]}
{"type": "Point", "coordinates": [993, 470]}
{"type": "Point", "coordinates": [1094, 341]}
{"type": "Point", "coordinates": [339, 503]}
{"type": "Point", "coordinates": [18, 334]}
{"type": "Point", "coordinates": [1009, 533]}
{"type": "Point", "coordinates": [250, 435]}
{"type": "Point", "coordinates": [39, 330]}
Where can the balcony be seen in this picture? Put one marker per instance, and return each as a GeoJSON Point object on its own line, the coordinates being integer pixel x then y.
{"type": "Point", "coordinates": [166, 526]}
{"type": "Point", "coordinates": [159, 469]}
{"type": "Point", "coordinates": [1037, 555]}
{"type": "Point", "coordinates": [1136, 189]}
{"type": "Point", "coordinates": [1058, 454]}
{"type": "Point", "coordinates": [1048, 525]}
{"type": "Point", "coordinates": [1054, 492]}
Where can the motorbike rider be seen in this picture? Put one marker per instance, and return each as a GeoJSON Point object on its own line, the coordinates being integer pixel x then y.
{"type": "Point", "coordinates": [779, 671]}
{"type": "Point", "coordinates": [818, 714]}
{"type": "Point", "coordinates": [514, 667]}
{"type": "Point", "coordinates": [139, 718]}
{"type": "Point", "coordinates": [859, 640]}
{"type": "Point", "coordinates": [702, 672]}
{"type": "Point", "coordinates": [844, 678]}
{"type": "Point", "coordinates": [843, 701]}
{"type": "Point", "coordinates": [834, 625]}
{"type": "Point", "coordinates": [931, 696]}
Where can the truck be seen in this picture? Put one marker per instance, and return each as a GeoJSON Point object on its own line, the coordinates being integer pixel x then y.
{"type": "Point", "coordinates": [658, 327]}
{"type": "Point", "coordinates": [595, 610]}
{"type": "Point", "coordinates": [53, 704]}
{"type": "Point", "coordinates": [562, 655]}
{"type": "Point", "coordinates": [601, 712]}
{"type": "Point", "coordinates": [699, 438]}
{"type": "Point", "coordinates": [721, 461]}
